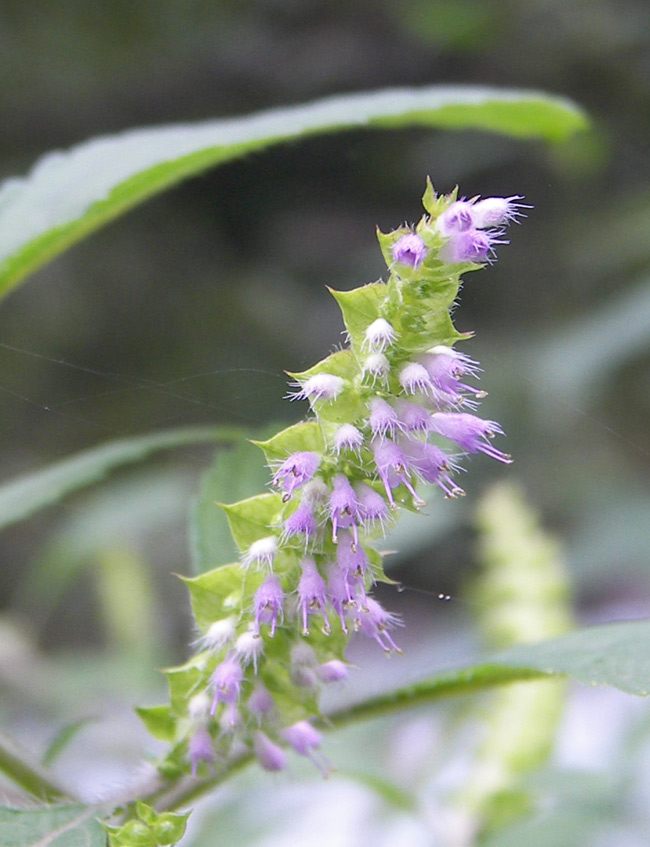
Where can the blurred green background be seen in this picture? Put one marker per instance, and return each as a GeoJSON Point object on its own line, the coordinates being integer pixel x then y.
{"type": "Point", "coordinates": [188, 309]}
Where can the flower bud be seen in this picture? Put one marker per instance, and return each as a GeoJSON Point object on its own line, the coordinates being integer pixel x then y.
{"type": "Point", "coordinates": [409, 250]}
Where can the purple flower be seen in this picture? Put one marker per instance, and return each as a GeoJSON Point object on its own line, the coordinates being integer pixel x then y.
{"type": "Point", "coordinates": [392, 467]}
{"type": "Point", "coordinates": [268, 604]}
{"type": "Point", "coordinates": [312, 594]}
{"type": "Point", "coordinates": [343, 507]}
{"type": "Point", "coordinates": [432, 465]}
{"type": "Point", "coordinates": [353, 562]}
{"type": "Point", "coordinates": [303, 664]}
{"type": "Point", "coordinates": [470, 433]}
{"type": "Point", "coordinates": [374, 622]}
{"type": "Point", "coordinates": [260, 703]}
{"type": "Point", "coordinates": [409, 250]}
{"type": "Point", "coordinates": [305, 740]}
{"type": "Point", "coordinates": [340, 593]}
{"type": "Point", "coordinates": [413, 418]}
{"type": "Point", "coordinates": [295, 471]}
{"type": "Point", "coordinates": [321, 386]}
{"type": "Point", "coordinates": [333, 671]}
{"type": "Point", "coordinates": [383, 418]}
{"type": "Point", "coordinates": [475, 245]}
{"type": "Point", "coordinates": [379, 335]}
{"type": "Point", "coordinates": [226, 681]}
{"type": "Point", "coordinates": [446, 367]}
{"type": "Point", "coordinates": [372, 506]}
{"type": "Point", "coordinates": [301, 522]}
{"type": "Point", "coordinates": [497, 211]}
{"type": "Point", "coordinates": [347, 437]}
{"type": "Point", "coordinates": [200, 748]}
{"type": "Point", "coordinates": [261, 552]}
{"type": "Point", "coordinates": [459, 217]}
{"type": "Point", "coordinates": [351, 558]}
{"type": "Point", "coordinates": [269, 755]}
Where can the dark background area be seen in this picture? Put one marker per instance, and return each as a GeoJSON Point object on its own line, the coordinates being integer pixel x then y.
{"type": "Point", "coordinates": [188, 309]}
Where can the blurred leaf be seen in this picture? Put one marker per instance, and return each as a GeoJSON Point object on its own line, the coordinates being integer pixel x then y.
{"type": "Point", "coordinates": [70, 194]}
{"type": "Point", "coordinates": [31, 777]}
{"type": "Point", "coordinates": [390, 792]}
{"type": "Point", "coordinates": [235, 474]}
{"type": "Point", "coordinates": [126, 596]}
{"type": "Point", "coordinates": [614, 654]}
{"type": "Point", "coordinates": [612, 544]}
{"type": "Point", "coordinates": [126, 509]}
{"type": "Point", "coordinates": [21, 497]}
{"type": "Point", "coordinates": [54, 826]}
{"type": "Point", "coordinates": [63, 737]}
{"type": "Point", "coordinates": [578, 361]}
{"type": "Point", "coordinates": [579, 806]}
{"type": "Point", "coordinates": [464, 23]}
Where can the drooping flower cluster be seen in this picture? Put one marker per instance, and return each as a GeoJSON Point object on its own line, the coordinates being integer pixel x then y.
{"type": "Point", "coordinates": [395, 409]}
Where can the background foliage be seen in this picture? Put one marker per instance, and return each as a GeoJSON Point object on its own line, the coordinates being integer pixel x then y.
{"type": "Point", "coordinates": [187, 311]}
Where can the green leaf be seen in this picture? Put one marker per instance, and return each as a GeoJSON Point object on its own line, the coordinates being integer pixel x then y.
{"type": "Point", "coordinates": [218, 593]}
{"type": "Point", "coordinates": [159, 721]}
{"type": "Point", "coordinates": [52, 826]}
{"type": "Point", "coordinates": [21, 497]}
{"type": "Point", "coordinates": [234, 474]}
{"type": "Point", "coordinates": [250, 519]}
{"type": "Point", "coordinates": [301, 436]}
{"type": "Point", "coordinates": [348, 407]}
{"type": "Point", "coordinates": [360, 307]}
{"type": "Point", "coordinates": [613, 654]}
{"type": "Point", "coordinates": [70, 194]}
{"type": "Point", "coordinates": [183, 682]}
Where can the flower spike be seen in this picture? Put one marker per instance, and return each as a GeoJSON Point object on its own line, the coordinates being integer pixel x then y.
{"type": "Point", "coordinates": [388, 413]}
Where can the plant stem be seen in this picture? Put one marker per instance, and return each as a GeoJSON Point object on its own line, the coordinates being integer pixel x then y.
{"type": "Point", "coordinates": [31, 777]}
{"type": "Point", "coordinates": [452, 684]}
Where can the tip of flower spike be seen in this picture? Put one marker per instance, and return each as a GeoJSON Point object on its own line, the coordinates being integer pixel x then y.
{"type": "Point", "coordinates": [409, 250]}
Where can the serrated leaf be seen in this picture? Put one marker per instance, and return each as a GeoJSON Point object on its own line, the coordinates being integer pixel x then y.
{"type": "Point", "coordinates": [234, 474]}
{"type": "Point", "coordinates": [301, 436]}
{"type": "Point", "coordinates": [183, 681]}
{"type": "Point", "coordinates": [70, 194]}
{"type": "Point", "coordinates": [360, 307]}
{"type": "Point", "coordinates": [218, 593]}
{"type": "Point", "coordinates": [348, 406]}
{"type": "Point", "coordinates": [52, 826]}
{"type": "Point", "coordinates": [21, 497]}
{"type": "Point", "coordinates": [251, 519]}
